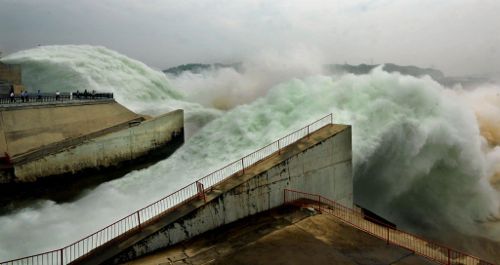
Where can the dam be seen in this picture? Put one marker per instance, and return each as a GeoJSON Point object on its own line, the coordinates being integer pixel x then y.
{"type": "Point", "coordinates": [310, 168]}
{"type": "Point", "coordinates": [51, 134]}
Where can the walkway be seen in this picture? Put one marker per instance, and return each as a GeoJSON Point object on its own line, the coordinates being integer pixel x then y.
{"type": "Point", "coordinates": [286, 235]}
{"type": "Point", "coordinates": [420, 246]}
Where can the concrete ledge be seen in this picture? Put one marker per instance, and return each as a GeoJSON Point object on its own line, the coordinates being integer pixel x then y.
{"type": "Point", "coordinates": [284, 235]}
{"type": "Point", "coordinates": [33, 104]}
{"type": "Point", "coordinates": [58, 146]}
{"type": "Point", "coordinates": [258, 188]}
{"type": "Point", "coordinates": [124, 143]}
{"type": "Point", "coordinates": [28, 127]}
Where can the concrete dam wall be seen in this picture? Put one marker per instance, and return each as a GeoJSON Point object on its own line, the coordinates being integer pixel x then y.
{"type": "Point", "coordinates": [56, 138]}
{"type": "Point", "coordinates": [28, 127]}
{"type": "Point", "coordinates": [107, 150]}
{"type": "Point", "coordinates": [320, 163]}
{"type": "Point", "coordinates": [10, 73]}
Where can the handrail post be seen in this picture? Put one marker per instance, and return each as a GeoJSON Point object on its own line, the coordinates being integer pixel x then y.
{"type": "Point", "coordinates": [449, 261]}
{"type": "Point", "coordinates": [138, 219]}
{"type": "Point", "coordinates": [279, 148]}
{"type": "Point", "coordinates": [331, 118]}
{"type": "Point", "coordinates": [319, 203]}
{"type": "Point", "coordinates": [62, 257]}
{"type": "Point", "coordinates": [308, 131]}
{"type": "Point", "coordinates": [201, 191]}
{"type": "Point", "coordinates": [242, 166]}
{"type": "Point", "coordinates": [387, 235]}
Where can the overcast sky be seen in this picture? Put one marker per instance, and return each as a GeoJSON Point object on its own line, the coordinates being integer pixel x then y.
{"type": "Point", "coordinates": [456, 36]}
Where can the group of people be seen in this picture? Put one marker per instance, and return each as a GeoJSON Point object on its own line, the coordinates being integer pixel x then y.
{"type": "Point", "coordinates": [25, 97]}
{"type": "Point", "coordinates": [85, 94]}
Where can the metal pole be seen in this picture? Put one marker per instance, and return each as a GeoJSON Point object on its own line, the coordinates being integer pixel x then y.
{"type": "Point", "coordinates": [242, 166]}
{"type": "Point", "coordinates": [62, 257]}
{"type": "Point", "coordinates": [138, 219]}
{"type": "Point", "coordinates": [201, 191]}
{"type": "Point", "coordinates": [319, 203]}
{"type": "Point", "coordinates": [449, 261]}
{"type": "Point", "coordinates": [387, 235]}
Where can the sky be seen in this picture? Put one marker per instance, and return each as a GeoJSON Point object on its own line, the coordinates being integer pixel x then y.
{"type": "Point", "coordinates": [459, 37]}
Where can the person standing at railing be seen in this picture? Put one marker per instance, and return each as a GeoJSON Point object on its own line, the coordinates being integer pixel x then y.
{"type": "Point", "coordinates": [12, 99]}
{"type": "Point", "coordinates": [26, 96]}
{"type": "Point", "coordinates": [39, 95]}
{"type": "Point", "coordinates": [57, 95]}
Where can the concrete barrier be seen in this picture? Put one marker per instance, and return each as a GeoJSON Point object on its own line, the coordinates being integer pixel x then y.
{"type": "Point", "coordinates": [320, 163]}
{"type": "Point", "coordinates": [107, 150]}
{"type": "Point", "coordinates": [28, 127]}
{"type": "Point", "coordinates": [11, 73]}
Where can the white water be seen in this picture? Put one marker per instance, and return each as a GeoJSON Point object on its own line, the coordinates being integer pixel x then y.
{"type": "Point", "coordinates": [417, 146]}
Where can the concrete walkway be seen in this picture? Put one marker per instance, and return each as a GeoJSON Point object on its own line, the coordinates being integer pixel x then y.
{"type": "Point", "coordinates": [417, 245]}
{"type": "Point", "coordinates": [284, 236]}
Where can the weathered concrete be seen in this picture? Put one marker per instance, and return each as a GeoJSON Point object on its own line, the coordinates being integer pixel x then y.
{"type": "Point", "coordinates": [136, 140]}
{"type": "Point", "coordinates": [320, 163]}
{"type": "Point", "coordinates": [3, 142]}
{"type": "Point", "coordinates": [285, 235]}
{"type": "Point", "coordinates": [28, 127]}
{"type": "Point", "coordinates": [10, 73]}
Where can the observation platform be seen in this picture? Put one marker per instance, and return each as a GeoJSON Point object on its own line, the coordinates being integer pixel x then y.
{"type": "Point", "coordinates": [52, 99]}
{"type": "Point", "coordinates": [68, 134]}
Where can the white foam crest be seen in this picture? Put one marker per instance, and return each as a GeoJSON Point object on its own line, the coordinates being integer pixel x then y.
{"type": "Point", "coordinates": [69, 68]}
{"type": "Point", "coordinates": [225, 88]}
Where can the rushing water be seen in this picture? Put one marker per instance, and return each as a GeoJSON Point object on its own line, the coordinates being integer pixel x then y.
{"type": "Point", "coordinates": [424, 155]}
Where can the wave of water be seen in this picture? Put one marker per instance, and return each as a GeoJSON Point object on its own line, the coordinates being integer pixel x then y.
{"type": "Point", "coordinates": [418, 148]}
{"type": "Point", "coordinates": [69, 68]}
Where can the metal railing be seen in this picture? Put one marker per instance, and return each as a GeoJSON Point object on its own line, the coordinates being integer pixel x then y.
{"type": "Point", "coordinates": [165, 205]}
{"type": "Point", "coordinates": [416, 244]}
{"type": "Point", "coordinates": [53, 98]}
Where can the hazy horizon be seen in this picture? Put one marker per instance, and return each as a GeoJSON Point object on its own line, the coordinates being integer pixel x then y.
{"type": "Point", "coordinates": [457, 37]}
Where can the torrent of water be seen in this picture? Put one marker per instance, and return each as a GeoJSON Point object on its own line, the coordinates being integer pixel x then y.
{"type": "Point", "coordinates": [424, 155]}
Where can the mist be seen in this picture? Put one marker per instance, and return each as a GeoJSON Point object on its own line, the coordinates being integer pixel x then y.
{"type": "Point", "coordinates": [458, 37]}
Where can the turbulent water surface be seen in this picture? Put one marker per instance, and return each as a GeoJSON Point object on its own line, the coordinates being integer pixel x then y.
{"type": "Point", "coordinates": [425, 156]}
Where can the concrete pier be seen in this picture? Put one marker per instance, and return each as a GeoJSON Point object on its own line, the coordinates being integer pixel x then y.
{"type": "Point", "coordinates": [320, 163]}
{"type": "Point", "coordinates": [46, 139]}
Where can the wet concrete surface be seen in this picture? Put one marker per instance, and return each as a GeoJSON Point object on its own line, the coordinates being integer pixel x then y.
{"type": "Point", "coordinates": [285, 235]}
